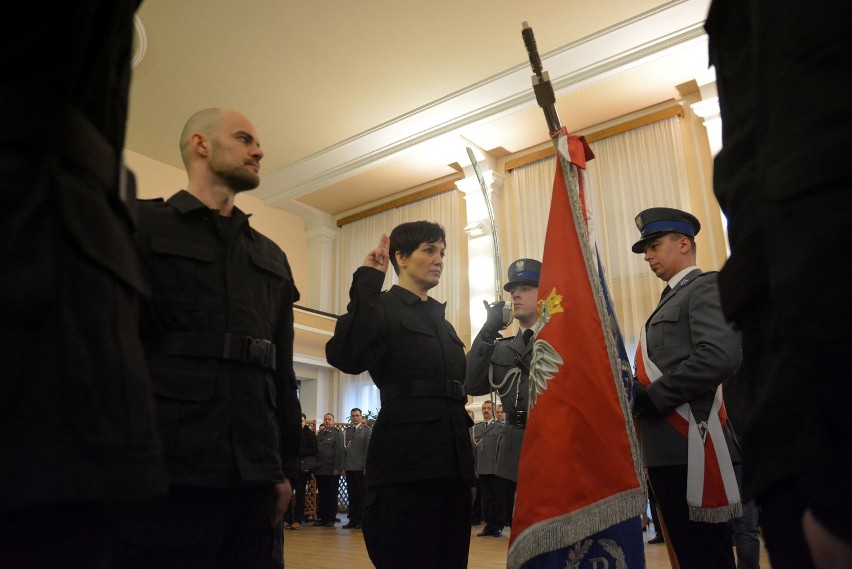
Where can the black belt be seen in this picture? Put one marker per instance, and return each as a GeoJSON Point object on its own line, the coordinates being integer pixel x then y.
{"type": "Point", "coordinates": [439, 389]}
{"type": "Point", "coordinates": [518, 419]}
{"type": "Point", "coordinates": [230, 347]}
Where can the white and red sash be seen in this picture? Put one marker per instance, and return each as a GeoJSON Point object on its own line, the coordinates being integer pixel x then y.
{"type": "Point", "coordinates": [712, 492]}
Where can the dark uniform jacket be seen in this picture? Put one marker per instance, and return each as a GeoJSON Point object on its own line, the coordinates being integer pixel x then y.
{"type": "Point", "coordinates": [498, 358]}
{"type": "Point", "coordinates": [76, 410]}
{"type": "Point", "coordinates": [401, 339]}
{"type": "Point", "coordinates": [309, 446]}
{"type": "Point", "coordinates": [224, 415]}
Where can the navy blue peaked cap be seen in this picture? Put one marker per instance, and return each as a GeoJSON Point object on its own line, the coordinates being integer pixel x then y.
{"type": "Point", "coordinates": [523, 272]}
{"type": "Point", "coordinates": [658, 221]}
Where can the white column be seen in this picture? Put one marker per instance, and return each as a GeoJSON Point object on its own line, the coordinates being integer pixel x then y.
{"type": "Point", "coordinates": [708, 109]}
{"type": "Point", "coordinates": [321, 233]}
{"type": "Point", "coordinates": [321, 267]}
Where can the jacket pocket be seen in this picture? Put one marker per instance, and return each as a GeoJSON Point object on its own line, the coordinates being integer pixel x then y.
{"type": "Point", "coordinates": [187, 414]}
{"type": "Point", "coordinates": [665, 329]}
{"type": "Point", "coordinates": [185, 275]}
{"type": "Point", "coordinates": [414, 325]}
{"type": "Point", "coordinates": [269, 285]}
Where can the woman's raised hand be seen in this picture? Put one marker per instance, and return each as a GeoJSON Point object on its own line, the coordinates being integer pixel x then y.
{"type": "Point", "coordinates": [378, 258]}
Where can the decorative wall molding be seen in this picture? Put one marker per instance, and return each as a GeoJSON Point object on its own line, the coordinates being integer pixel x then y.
{"type": "Point", "coordinates": [617, 49]}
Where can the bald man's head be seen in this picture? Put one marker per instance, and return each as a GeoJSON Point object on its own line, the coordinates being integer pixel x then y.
{"type": "Point", "coordinates": [204, 122]}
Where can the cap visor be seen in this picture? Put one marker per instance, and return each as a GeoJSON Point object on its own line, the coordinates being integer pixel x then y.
{"type": "Point", "coordinates": [509, 287]}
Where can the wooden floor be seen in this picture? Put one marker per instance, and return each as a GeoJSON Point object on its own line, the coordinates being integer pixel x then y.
{"type": "Point", "coordinates": [326, 548]}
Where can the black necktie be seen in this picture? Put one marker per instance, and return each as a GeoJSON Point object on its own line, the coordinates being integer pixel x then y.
{"type": "Point", "coordinates": [665, 292]}
{"type": "Point", "coordinates": [528, 334]}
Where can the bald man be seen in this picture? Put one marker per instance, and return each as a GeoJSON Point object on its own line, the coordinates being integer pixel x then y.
{"type": "Point", "coordinates": [218, 336]}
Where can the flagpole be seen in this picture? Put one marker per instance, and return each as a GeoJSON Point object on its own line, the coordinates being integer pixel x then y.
{"type": "Point", "coordinates": [564, 531]}
{"type": "Point", "coordinates": [542, 86]}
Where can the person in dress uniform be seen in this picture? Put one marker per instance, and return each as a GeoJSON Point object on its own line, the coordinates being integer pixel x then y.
{"type": "Point", "coordinates": [502, 364]}
{"type": "Point", "coordinates": [687, 350]}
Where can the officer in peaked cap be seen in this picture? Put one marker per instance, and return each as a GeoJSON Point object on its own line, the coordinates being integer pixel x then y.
{"type": "Point", "coordinates": [489, 362]}
{"type": "Point", "coordinates": [523, 271]}
{"type": "Point", "coordinates": [693, 350]}
{"type": "Point", "coordinates": [658, 221]}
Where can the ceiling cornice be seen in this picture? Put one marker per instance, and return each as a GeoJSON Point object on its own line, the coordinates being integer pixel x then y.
{"type": "Point", "coordinates": [617, 49]}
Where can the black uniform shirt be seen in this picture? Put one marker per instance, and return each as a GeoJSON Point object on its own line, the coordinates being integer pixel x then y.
{"type": "Point", "coordinates": [400, 338]}
{"type": "Point", "coordinates": [220, 420]}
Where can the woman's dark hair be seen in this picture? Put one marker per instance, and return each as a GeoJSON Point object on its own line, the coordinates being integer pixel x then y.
{"type": "Point", "coordinates": [407, 237]}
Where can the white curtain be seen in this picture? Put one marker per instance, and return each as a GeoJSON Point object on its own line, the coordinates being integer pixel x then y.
{"type": "Point", "coordinates": [358, 238]}
{"type": "Point", "coordinates": [631, 171]}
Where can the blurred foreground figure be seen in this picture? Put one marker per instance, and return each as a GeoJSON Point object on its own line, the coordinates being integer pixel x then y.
{"type": "Point", "coordinates": [76, 414]}
{"type": "Point", "coordinates": [783, 179]}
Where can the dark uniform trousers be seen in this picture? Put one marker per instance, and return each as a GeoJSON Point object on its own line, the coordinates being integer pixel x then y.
{"type": "Point", "coordinates": [493, 501]}
{"type": "Point", "coordinates": [698, 545]}
{"type": "Point", "coordinates": [197, 522]}
{"type": "Point", "coordinates": [327, 491]}
{"type": "Point", "coordinates": [357, 487]}
{"type": "Point", "coordinates": [426, 529]}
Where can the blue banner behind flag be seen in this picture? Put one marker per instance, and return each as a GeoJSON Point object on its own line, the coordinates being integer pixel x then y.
{"type": "Point", "coordinates": [618, 547]}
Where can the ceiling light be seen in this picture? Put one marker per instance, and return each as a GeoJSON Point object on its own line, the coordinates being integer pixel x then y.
{"type": "Point", "coordinates": [475, 229]}
{"type": "Point", "coordinates": [140, 41]}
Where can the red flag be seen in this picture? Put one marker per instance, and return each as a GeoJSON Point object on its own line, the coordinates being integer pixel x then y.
{"type": "Point", "coordinates": [579, 471]}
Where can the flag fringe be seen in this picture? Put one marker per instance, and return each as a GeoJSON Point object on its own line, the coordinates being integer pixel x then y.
{"type": "Point", "coordinates": [716, 515]}
{"type": "Point", "coordinates": [566, 530]}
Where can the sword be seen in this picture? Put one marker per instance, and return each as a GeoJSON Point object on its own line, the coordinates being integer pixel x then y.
{"type": "Point", "coordinates": [498, 270]}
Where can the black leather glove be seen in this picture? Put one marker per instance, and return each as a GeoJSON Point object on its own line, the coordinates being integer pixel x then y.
{"type": "Point", "coordinates": [642, 404]}
{"type": "Point", "coordinates": [494, 322]}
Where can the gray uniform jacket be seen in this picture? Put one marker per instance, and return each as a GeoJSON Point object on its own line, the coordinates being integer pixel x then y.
{"type": "Point", "coordinates": [500, 357]}
{"type": "Point", "coordinates": [485, 439]}
{"type": "Point", "coordinates": [356, 442]}
{"type": "Point", "coordinates": [696, 350]}
{"type": "Point", "coordinates": [331, 452]}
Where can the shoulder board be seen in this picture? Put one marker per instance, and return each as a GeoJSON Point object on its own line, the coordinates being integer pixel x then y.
{"type": "Point", "coordinates": [685, 282]}
{"type": "Point", "coordinates": [150, 200]}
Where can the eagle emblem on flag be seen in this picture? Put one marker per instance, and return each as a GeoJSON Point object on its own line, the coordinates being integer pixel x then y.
{"type": "Point", "coordinates": [546, 360]}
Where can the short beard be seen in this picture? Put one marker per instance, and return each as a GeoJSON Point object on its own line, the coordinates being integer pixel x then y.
{"type": "Point", "coordinates": [242, 183]}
